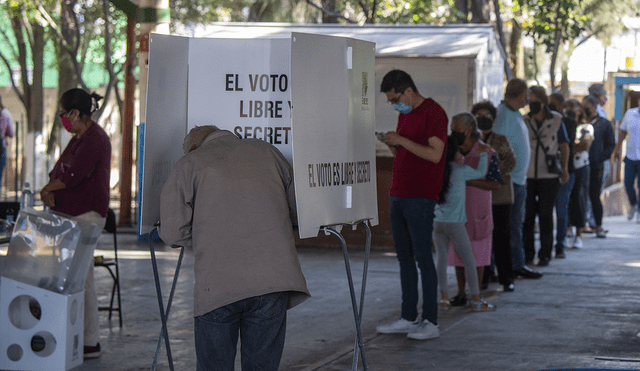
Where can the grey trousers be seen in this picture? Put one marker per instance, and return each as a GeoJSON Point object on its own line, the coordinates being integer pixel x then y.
{"type": "Point", "coordinates": [456, 233]}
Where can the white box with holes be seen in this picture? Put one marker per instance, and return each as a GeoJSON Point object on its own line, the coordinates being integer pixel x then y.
{"type": "Point", "coordinates": [41, 330]}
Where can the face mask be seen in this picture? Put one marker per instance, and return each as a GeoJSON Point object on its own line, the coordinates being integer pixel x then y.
{"type": "Point", "coordinates": [485, 122]}
{"type": "Point", "coordinates": [458, 137]}
{"type": "Point", "coordinates": [65, 122]}
{"type": "Point", "coordinates": [587, 112]}
{"type": "Point", "coordinates": [553, 107]}
{"type": "Point", "coordinates": [535, 107]}
{"type": "Point", "coordinates": [402, 108]}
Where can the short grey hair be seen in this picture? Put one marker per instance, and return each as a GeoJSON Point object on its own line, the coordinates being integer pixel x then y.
{"type": "Point", "coordinates": [466, 119]}
{"type": "Point", "coordinates": [196, 137]}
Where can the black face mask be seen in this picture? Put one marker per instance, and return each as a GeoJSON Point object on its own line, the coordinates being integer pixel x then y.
{"type": "Point", "coordinates": [553, 107]}
{"type": "Point", "coordinates": [458, 137]}
{"type": "Point", "coordinates": [485, 122]}
{"type": "Point", "coordinates": [535, 107]}
{"type": "Point", "coordinates": [587, 112]}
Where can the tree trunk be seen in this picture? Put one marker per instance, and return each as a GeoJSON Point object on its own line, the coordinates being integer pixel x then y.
{"type": "Point", "coordinates": [37, 74]}
{"type": "Point", "coordinates": [507, 63]}
{"type": "Point", "coordinates": [480, 12]}
{"type": "Point", "coordinates": [556, 45]}
{"type": "Point", "coordinates": [604, 65]}
{"type": "Point", "coordinates": [564, 84]}
{"type": "Point", "coordinates": [536, 69]}
{"type": "Point", "coordinates": [463, 8]}
{"type": "Point", "coordinates": [330, 6]}
{"type": "Point", "coordinates": [515, 52]}
{"type": "Point", "coordinates": [67, 73]}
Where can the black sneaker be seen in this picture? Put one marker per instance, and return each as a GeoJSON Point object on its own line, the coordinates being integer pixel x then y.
{"type": "Point", "coordinates": [92, 352]}
{"type": "Point", "coordinates": [459, 300]}
{"type": "Point", "coordinates": [543, 262]}
{"type": "Point", "coordinates": [560, 254]}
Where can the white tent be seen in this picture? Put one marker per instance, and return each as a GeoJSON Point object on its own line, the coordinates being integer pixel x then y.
{"type": "Point", "coordinates": [457, 65]}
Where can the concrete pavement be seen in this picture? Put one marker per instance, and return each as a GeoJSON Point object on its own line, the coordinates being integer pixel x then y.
{"type": "Point", "coordinates": [583, 313]}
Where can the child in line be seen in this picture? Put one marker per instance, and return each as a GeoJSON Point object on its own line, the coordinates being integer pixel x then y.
{"type": "Point", "coordinates": [449, 224]}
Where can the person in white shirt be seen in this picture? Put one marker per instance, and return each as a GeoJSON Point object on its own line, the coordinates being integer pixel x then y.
{"type": "Point", "coordinates": [630, 130]}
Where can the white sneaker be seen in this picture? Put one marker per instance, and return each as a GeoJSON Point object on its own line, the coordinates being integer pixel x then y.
{"type": "Point", "coordinates": [577, 242]}
{"type": "Point", "coordinates": [401, 326]}
{"type": "Point", "coordinates": [632, 211]}
{"type": "Point", "coordinates": [425, 331]}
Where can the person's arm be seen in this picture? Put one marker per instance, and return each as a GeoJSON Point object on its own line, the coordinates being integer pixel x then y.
{"type": "Point", "coordinates": [431, 152]}
{"type": "Point", "coordinates": [176, 207]}
{"type": "Point", "coordinates": [564, 160]}
{"type": "Point", "coordinates": [609, 142]}
{"type": "Point", "coordinates": [481, 170]}
{"type": "Point", "coordinates": [47, 193]}
{"type": "Point", "coordinates": [506, 157]}
{"type": "Point", "coordinates": [486, 185]}
{"type": "Point", "coordinates": [286, 174]}
{"type": "Point", "coordinates": [617, 154]}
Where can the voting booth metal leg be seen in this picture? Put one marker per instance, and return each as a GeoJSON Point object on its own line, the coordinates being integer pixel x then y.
{"type": "Point", "coordinates": [164, 314]}
{"type": "Point", "coordinates": [357, 309]}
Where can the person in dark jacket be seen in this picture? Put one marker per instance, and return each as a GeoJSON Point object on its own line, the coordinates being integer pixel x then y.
{"type": "Point", "coordinates": [604, 143]}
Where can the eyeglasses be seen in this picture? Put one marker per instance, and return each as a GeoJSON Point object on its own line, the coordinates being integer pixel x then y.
{"type": "Point", "coordinates": [395, 100]}
{"type": "Point", "coordinates": [62, 115]}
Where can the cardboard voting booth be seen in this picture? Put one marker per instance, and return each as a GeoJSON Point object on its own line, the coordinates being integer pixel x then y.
{"type": "Point", "coordinates": [311, 96]}
{"type": "Point", "coordinates": [41, 291]}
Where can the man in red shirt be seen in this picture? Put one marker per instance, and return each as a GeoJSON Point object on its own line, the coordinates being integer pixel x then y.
{"type": "Point", "coordinates": [419, 144]}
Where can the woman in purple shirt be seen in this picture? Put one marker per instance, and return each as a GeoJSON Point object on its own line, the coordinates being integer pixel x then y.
{"type": "Point", "coordinates": [79, 185]}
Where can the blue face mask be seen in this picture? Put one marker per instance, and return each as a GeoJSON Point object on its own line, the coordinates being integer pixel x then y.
{"type": "Point", "coordinates": [402, 108]}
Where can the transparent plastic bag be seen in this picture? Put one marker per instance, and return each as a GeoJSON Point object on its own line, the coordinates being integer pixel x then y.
{"type": "Point", "coordinates": [51, 250]}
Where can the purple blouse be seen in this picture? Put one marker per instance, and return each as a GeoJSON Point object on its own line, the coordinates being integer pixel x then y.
{"type": "Point", "coordinates": [84, 167]}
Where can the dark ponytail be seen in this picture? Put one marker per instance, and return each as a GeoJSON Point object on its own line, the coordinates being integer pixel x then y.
{"type": "Point", "coordinates": [81, 100]}
{"type": "Point", "coordinates": [452, 149]}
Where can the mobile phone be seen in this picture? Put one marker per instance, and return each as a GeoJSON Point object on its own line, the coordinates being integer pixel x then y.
{"type": "Point", "coordinates": [380, 135]}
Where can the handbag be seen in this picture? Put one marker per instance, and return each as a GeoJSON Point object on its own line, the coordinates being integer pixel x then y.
{"type": "Point", "coordinates": [551, 160]}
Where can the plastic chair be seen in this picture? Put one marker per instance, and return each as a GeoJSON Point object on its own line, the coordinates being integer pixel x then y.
{"type": "Point", "coordinates": [112, 266]}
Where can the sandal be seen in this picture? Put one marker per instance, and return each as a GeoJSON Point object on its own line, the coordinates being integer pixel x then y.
{"type": "Point", "coordinates": [459, 300]}
{"type": "Point", "coordinates": [445, 304]}
{"type": "Point", "coordinates": [481, 306]}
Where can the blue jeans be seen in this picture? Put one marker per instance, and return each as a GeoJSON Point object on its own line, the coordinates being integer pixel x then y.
{"type": "Point", "coordinates": [562, 210]}
{"type": "Point", "coordinates": [631, 173]}
{"type": "Point", "coordinates": [517, 218]}
{"type": "Point", "coordinates": [261, 323]}
{"type": "Point", "coordinates": [412, 228]}
{"type": "Point", "coordinates": [3, 162]}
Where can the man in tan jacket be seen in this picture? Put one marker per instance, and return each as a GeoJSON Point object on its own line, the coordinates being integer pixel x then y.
{"type": "Point", "coordinates": [232, 201]}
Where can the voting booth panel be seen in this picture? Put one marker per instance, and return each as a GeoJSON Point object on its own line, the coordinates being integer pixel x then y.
{"type": "Point", "coordinates": [245, 86]}
{"type": "Point", "coordinates": [41, 329]}
{"type": "Point", "coordinates": [242, 86]}
{"type": "Point", "coordinates": [166, 124]}
{"type": "Point", "coordinates": [334, 148]}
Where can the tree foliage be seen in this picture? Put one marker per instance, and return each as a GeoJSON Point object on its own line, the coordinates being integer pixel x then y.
{"type": "Point", "coordinates": [563, 24]}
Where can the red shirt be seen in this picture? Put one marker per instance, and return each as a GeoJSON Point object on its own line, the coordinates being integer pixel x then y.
{"type": "Point", "coordinates": [412, 176]}
{"type": "Point", "coordinates": [84, 167]}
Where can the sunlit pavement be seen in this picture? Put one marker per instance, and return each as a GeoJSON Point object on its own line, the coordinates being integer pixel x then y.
{"type": "Point", "coordinates": [584, 313]}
